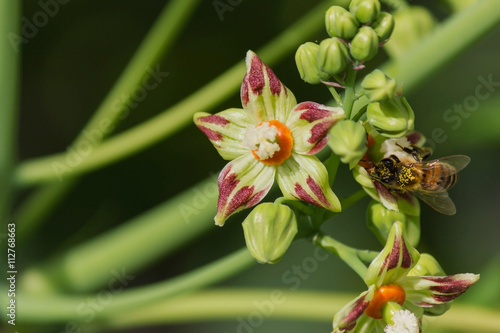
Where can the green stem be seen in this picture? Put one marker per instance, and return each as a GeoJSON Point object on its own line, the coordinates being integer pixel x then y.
{"type": "Point", "coordinates": [332, 165]}
{"type": "Point", "coordinates": [229, 304]}
{"type": "Point", "coordinates": [346, 203]}
{"type": "Point", "coordinates": [10, 13]}
{"type": "Point", "coordinates": [178, 116]}
{"type": "Point", "coordinates": [347, 254]}
{"type": "Point", "coordinates": [157, 42]}
{"type": "Point", "coordinates": [159, 39]}
{"type": "Point", "coordinates": [135, 244]}
{"type": "Point", "coordinates": [353, 198]}
{"type": "Point", "coordinates": [335, 95]}
{"type": "Point", "coordinates": [207, 275]}
{"type": "Point", "coordinates": [124, 299]}
{"type": "Point", "coordinates": [456, 34]}
{"type": "Point", "coordinates": [367, 256]}
{"type": "Point", "coordinates": [350, 92]}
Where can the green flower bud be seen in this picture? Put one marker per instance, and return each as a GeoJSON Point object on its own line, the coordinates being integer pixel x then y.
{"type": "Point", "coordinates": [347, 139]}
{"type": "Point", "coordinates": [332, 56]}
{"type": "Point", "coordinates": [378, 86]}
{"type": "Point", "coordinates": [411, 25]}
{"type": "Point", "coordinates": [306, 59]}
{"type": "Point", "coordinates": [427, 265]}
{"type": "Point", "coordinates": [269, 230]}
{"type": "Point", "coordinates": [383, 26]}
{"type": "Point", "coordinates": [392, 117]}
{"type": "Point", "coordinates": [381, 219]}
{"type": "Point", "coordinates": [340, 23]}
{"type": "Point", "coordinates": [365, 10]}
{"type": "Point", "coordinates": [364, 45]}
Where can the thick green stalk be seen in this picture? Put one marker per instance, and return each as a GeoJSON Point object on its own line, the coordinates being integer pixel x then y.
{"type": "Point", "coordinates": [230, 304]}
{"type": "Point", "coordinates": [347, 254]}
{"type": "Point", "coordinates": [120, 298]}
{"type": "Point", "coordinates": [178, 116]}
{"type": "Point", "coordinates": [159, 39]}
{"type": "Point", "coordinates": [135, 244]}
{"type": "Point", "coordinates": [350, 92]}
{"type": "Point", "coordinates": [450, 39]}
{"type": "Point", "coordinates": [284, 304]}
{"type": "Point", "coordinates": [209, 274]}
{"type": "Point", "coordinates": [10, 13]}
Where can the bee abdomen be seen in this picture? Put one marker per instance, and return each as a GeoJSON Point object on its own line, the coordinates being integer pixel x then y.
{"type": "Point", "coordinates": [441, 177]}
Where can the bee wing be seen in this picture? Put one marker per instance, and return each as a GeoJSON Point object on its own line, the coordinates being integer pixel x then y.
{"type": "Point", "coordinates": [458, 162]}
{"type": "Point", "coordinates": [439, 200]}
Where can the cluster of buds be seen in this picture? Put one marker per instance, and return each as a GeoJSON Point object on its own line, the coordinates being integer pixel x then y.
{"type": "Point", "coordinates": [389, 114]}
{"type": "Point", "coordinates": [355, 37]}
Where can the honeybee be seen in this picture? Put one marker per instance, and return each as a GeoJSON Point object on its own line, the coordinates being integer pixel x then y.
{"type": "Point", "coordinates": [427, 180]}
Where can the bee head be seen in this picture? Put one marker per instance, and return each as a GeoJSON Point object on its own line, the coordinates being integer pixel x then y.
{"type": "Point", "coordinates": [385, 169]}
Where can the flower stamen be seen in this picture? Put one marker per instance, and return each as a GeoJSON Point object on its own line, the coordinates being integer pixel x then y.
{"type": "Point", "coordinates": [404, 321]}
{"type": "Point", "coordinates": [271, 142]}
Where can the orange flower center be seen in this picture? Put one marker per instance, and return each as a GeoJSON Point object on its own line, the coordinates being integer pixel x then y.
{"type": "Point", "coordinates": [271, 142]}
{"type": "Point", "coordinates": [385, 294]}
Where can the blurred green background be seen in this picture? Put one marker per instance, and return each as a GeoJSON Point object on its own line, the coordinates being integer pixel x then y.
{"type": "Point", "coordinates": [72, 62]}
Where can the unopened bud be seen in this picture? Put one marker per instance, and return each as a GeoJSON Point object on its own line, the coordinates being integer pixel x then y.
{"type": "Point", "coordinates": [378, 86]}
{"type": "Point", "coordinates": [392, 117]}
{"type": "Point", "coordinates": [427, 265]}
{"type": "Point", "coordinates": [340, 23]}
{"type": "Point", "coordinates": [269, 230]}
{"type": "Point", "coordinates": [411, 25]}
{"type": "Point", "coordinates": [365, 11]}
{"type": "Point", "coordinates": [347, 139]}
{"type": "Point", "coordinates": [306, 59]}
{"type": "Point", "coordinates": [332, 56]}
{"type": "Point", "coordinates": [364, 45]}
{"type": "Point", "coordinates": [383, 26]}
{"type": "Point", "coordinates": [380, 221]}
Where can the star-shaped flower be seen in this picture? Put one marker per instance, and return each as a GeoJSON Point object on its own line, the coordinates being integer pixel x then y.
{"type": "Point", "coordinates": [271, 137]}
{"type": "Point", "coordinates": [393, 289]}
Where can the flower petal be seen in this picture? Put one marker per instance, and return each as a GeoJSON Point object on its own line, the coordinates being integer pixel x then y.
{"type": "Point", "coordinates": [426, 291]}
{"type": "Point", "coordinates": [347, 318]}
{"type": "Point", "coordinates": [263, 95]}
{"type": "Point", "coordinates": [225, 130]}
{"type": "Point", "coordinates": [395, 261]}
{"type": "Point", "coordinates": [386, 197]}
{"type": "Point", "coordinates": [310, 123]}
{"type": "Point", "coordinates": [304, 177]}
{"type": "Point", "coordinates": [243, 183]}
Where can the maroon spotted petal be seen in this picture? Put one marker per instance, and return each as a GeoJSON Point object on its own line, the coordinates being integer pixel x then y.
{"type": "Point", "coordinates": [310, 123]}
{"type": "Point", "coordinates": [263, 95]}
{"type": "Point", "coordinates": [243, 183]}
